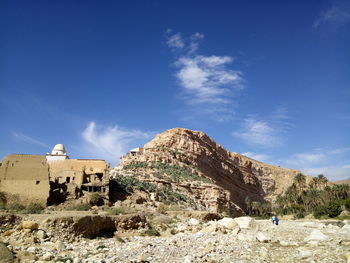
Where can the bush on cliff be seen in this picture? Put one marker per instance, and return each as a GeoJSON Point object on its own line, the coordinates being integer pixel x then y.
{"type": "Point", "coordinates": [96, 199]}
{"type": "Point", "coordinates": [34, 208]}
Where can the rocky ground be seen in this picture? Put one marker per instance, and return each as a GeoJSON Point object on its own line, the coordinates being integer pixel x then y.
{"type": "Point", "coordinates": [61, 239]}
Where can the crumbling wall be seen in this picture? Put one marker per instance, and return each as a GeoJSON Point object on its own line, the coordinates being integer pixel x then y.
{"type": "Point", "coordinates": [25, 178]}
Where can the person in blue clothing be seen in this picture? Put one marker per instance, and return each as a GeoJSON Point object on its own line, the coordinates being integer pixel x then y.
{"type": "Point", "coordinates": [275, 220]}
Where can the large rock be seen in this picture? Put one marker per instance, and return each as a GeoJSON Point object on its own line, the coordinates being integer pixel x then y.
{"type": "Point", "coordinates": [316, 235]}
{"type": "Point", "coordinates": [6, 255]}
{"type": "Point", "coordinates": [228, 223]}
{"type": "Point", "coordinates": [31, 225]}
{"type": "Point", "coordinates": [245, 222]}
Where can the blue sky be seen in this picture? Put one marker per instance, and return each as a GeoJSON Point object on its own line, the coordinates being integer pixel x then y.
{"type": "Point", "coordinates": [268, 79]}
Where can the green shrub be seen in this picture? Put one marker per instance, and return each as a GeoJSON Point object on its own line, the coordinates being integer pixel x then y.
{"type": "Point", "coordinates": [179, 173]}
{"type": "Point", "coordinates": [333, 209]}
{"type": "Point", "coordinates": [151, 231]}
{"type": "Point", "coordinates": [34, 208]}
{"type": "Point", "coordinates": [128, 183]}
{"type": "Point", "coordinates": [96, 199]}
{"type": "Point", "coordinates": [346, 203]}
{"type": "Point", "coordinates": [80, 207]}
{"type": "Point", "coordinates": [135, 165]}
{"type": "Point", "coordinates": [299, 215]}
{"type": "Point", "coordinates": [16, 207]}
{"type": "Point", "coordinates": [168, 196]}
{"type": "Point", "coordinates": [320, 211]}
{"type": "Point", "coordinates": [120, 210]}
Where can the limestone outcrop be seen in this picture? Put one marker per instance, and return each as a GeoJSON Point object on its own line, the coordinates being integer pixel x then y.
{"type": "Point", "coordinates": [193, 163]}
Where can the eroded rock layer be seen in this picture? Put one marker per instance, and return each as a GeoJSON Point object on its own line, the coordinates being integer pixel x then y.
{"type": "Point", "coordinates": [192, 162]}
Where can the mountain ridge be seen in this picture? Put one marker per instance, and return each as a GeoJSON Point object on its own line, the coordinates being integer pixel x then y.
{"type": "Point", "coordinates": [241, 178]}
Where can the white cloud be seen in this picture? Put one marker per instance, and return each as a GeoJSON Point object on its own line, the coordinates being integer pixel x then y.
{"type": "Point", "coordinates": [193, 46]}
{"type": "Point", "coordinates": [24, 138]}
{"type": "Point", "coordinates": [205, 80]}
{"type": "Point", "coordinates": [111, 142]}
{"type": "Point", "coordinates": [259, 133]}
{"type": "Point", "coordinates": [335, 16]}
{"type": "Point", "coordinates": [302, 159]}
{"type": "Point", "coordinates": [330, 162]}
{"type": "Point", "coordinates": [175, 41]}
{"type": "Point", "coordinates": [333, 173]}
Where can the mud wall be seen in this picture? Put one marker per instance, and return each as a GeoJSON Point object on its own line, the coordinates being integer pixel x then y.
{"type": "Point", "coordinates": [25, 178]}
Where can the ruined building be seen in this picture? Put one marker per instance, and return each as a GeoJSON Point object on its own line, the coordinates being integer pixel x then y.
{"type": "Point", "coordinates": [53, 178]}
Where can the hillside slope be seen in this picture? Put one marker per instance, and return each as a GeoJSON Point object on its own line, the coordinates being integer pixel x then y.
{"type": "Point", "coordinates": [192, 162]}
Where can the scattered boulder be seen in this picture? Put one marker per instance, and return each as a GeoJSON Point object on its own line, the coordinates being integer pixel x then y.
{"type": "Point", "coordinates": [304, 253]}
{"type": "Point", "coordinates": [193, 222]}
{"type": "Point", "coordinates": [47, 256]}
{"type": "Point", "coordinates": [316, 235]}
{"type": "Point", "coordinates": [245, 222]}
{"type": "Point", "coordinates": [30, 225]}
{"type": "Point", "coordinates": [6, 255]}
{"type": "Point", "coordinates": [228, 223]}
{"type": "Point", "coordinates": [346, 227]}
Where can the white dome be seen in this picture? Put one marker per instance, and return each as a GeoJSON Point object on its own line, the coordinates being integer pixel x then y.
{"type": "Point", "coordinates": [59, 150]}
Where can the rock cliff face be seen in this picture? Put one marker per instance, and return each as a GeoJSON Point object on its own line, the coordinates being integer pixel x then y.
{"type": "Point", "coordinates": [193, 163]}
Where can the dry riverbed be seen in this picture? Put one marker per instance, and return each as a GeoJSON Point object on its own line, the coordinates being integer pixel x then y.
{"type": "Point", "coordinates": [193, 240]}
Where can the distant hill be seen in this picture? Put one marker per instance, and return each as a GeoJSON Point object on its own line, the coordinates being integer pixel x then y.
{"type": "Point", "coordinates": [346, 181]}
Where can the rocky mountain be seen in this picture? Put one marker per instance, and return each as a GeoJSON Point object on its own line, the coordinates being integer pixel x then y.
{"type": "Point", "coordinates": [193, 164]}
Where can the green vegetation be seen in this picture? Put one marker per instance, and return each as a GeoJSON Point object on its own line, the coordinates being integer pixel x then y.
{"type": "Point", "coordinates": [179, 173]}
{"type": "Point", "coordinates": [80, 207]}
{"type": "Point", "coordinates": [318, 198]}
{"type": "Point", "coordinates": [168, 196]}
{"type": "Point", "coordinates": [151, 231]}
{"type": "Point", "coordinates": [120, 210]}
{"type": "Point", "coordinates": [34, 208]}
{"type": "Point", "coordinates": [135, 165]}
{"type": "Point", "coordinates": [16, 207]}
{"type": "Point", "coordinates": [96, 199]}
{"type": "Point", "coordinates": [128, 183]}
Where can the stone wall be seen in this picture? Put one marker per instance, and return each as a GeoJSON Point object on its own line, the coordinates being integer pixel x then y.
{"type": "Point", "coordinates": [25, 178]}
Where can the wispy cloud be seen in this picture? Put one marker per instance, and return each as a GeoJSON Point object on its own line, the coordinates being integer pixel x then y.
{"type": "Point", "coordinates": [260, 133]}
{"type": "Point", "coordinates": [336, 16]}
{"type": "Point", "coordinates": [331, 162]}
{"type": "Point", "coordinates": [175, 41]}
{"type": "Point", "coordinates": [111, 142]}
{"type": "Point", "coordinates": [265, 132]}
{"type": "Point", "coordinates": [205, 80]}
{"type": "Point", "coordinates": [19, 137]}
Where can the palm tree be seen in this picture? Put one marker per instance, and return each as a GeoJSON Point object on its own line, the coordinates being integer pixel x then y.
{"type": "Point", "coordinates": [291, 195]}
{"type": "Point", "coordinates": [322, 180]}
{"type": "Point", "coordinates": [300, 181]}
{"type": "Point", "coordinates": [311, 199]}
{"type": "Point", "coordinates": [314, 183]}
{"type": "Point", "coordinates": [341, 191]}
